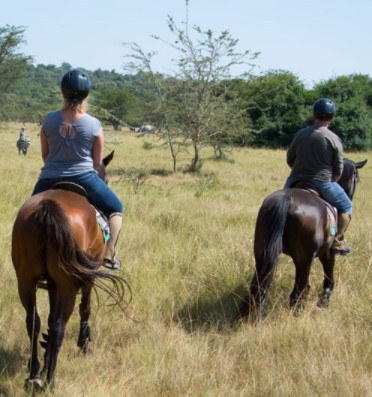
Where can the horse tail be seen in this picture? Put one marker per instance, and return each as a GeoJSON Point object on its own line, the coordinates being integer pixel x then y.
{"type": "Point", "coordinates": [276, 218]}
{"type": "Point", "coordinates": [268, 245]}
{"type": "Point", "coordinates": [55, 231]}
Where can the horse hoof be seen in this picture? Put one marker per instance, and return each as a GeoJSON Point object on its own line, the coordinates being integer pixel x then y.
{"type": "Point", "coordinates": [323, 303]}
{"type": "Point", "coordinates": [86, 352]}
{"type": "Point", "coordinates": [297, 311]}
{"type": "Point", "coordinates": [297, 307]}
{"type": "Point", "coordinates": [35, 385]}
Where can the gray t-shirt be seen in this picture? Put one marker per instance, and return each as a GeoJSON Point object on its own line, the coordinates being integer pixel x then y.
{"type": "Point", "coordinates": [315, 153]}
{"type": "Point", "coordinates": [70, 145]}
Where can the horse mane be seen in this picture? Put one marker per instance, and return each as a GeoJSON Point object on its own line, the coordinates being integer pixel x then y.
{"type": "Point", "coordinates": [349, 177]}
{"type": "Point", "coordinates": [349, 166]}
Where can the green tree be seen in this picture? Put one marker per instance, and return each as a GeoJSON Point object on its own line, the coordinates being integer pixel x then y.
{"type": "Point", "coordinates": [159, 99]}
{"type": "Point", "coordinates": [12, 65]}
{"type": "Point", "coordinates": [353, 97]}
{"type": "Point", "coordinates": [275, 106]}
{"type": "Point", "coordinates": [119, 106]}
{"type": "Point", "coordinates": [353, 123]}
{"type": "Point", "coordinates": [195, 102]}
{"type": "Point", "coordinates": [37, 93]}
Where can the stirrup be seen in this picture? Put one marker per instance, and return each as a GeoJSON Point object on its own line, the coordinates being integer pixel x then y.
{"type": "Point", "coordinates": [346, 250]}
{"type": "Point", "coordinates": [113, 265]}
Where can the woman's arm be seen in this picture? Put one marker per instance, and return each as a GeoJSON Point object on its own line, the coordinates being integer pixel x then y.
{"type": "Point", "coordinates": [97, 153]}
{"type": "Point", "coordinates": [44, 145]}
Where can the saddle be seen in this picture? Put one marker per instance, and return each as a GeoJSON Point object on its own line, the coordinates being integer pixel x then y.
{"type": "Point", "coordinates": [306, 186]}
{"type": "Point", "coordinates": [71, 187]}
{"type": "Point", "coordinates": [331, 210]}
{"type": "Point", "coordinates": [102, 219]}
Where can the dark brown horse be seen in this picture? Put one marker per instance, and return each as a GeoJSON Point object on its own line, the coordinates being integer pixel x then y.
{"type": "Point", "coordinates": [57, 244]}
{"type": "Point", "coordinates": [295, 222]}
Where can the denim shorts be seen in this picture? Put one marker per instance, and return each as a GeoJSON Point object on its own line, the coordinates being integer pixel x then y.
{"type": "Point", "coordinates": [331, 192]}
{"type": "Point", "coordinates": [100, 195]}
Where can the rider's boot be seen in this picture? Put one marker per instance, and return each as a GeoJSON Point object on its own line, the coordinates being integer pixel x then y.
{"type": "Point", "coordinates": [339, 246]}
{"type": "Point", "coordinates": [111, 261]}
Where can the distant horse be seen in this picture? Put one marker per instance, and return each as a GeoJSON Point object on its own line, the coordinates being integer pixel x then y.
{"type": "Point", "coordinates": [295, 221]}
{"type": "Point", "coordinates": [147, 128]}
{"type": "Point", "coordinates": [23, 143]}
{"type": "Point", "coordinates": [58, 245]}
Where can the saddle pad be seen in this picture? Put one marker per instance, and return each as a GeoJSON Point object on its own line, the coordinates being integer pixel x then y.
{"type": "Point", "coordinates": [332, 215]}
{"type": "Point", "coordinates": [104, 225]}
{"type": "Point", "coordinates": [331, 211]}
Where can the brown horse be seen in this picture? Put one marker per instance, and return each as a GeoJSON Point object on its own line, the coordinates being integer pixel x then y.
{"type": "Point", "coordinates": [57, 244]}
{"type": "Point", "coordinates": [295, 222]}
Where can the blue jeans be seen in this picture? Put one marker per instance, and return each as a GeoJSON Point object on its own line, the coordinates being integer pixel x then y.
{"type": "Point", "coordinates": [99, 194]}
{"type": "Point", "coordinates": [331, 192]}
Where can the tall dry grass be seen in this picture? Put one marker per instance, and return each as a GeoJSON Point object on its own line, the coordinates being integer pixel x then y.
{"type": "Point", "coordinates": [186, 248]}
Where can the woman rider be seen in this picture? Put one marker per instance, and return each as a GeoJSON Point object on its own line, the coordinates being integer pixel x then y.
{"type": "Point", "coordinates": [72, 150]}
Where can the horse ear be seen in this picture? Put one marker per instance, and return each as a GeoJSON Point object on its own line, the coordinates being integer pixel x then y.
{"type": "Point", "coordinates": [108, 158]}
{"type": "Point", "coordinates": [361, 164]}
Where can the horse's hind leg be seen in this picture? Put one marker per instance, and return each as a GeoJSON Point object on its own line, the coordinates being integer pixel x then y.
{"type": "Point", "coordinates": [301, 286]}
{"type": "Point", "coordinates": [60, 314]}
{"type": "Point", "coordinates": [247, 308]}
{"type": "Point", "coordinates": [44, 343]}
{"type": "Point", "coordinates": [258, 290]}
{"type": "Point", "coordinates": [328, 262]}
{"type": "Point", "coordinates": [27, 294]}
{"type": "Point", "coordinates": [84, 310]}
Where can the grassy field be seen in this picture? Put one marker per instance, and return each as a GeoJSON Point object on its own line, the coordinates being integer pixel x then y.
{"type": "Point", "coordinates": [186, 249]}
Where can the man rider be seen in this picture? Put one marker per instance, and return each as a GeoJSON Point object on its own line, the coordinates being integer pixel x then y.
{"type": "Point", "coordinates": [316, 156]}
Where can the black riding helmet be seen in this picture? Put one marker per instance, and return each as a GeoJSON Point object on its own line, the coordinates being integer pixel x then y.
{"type": "Point", "coordinates": [75, 85]}
{"type": "Point", "coordinates": [324, 109]}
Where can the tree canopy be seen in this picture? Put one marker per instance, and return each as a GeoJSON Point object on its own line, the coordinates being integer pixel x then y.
{"type": "Point", "coordinates": [201, 104]}
{"type": "Point", "coordinates": [12, 64]}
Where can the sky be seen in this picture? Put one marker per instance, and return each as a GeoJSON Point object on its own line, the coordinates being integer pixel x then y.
{"type": "Point", "coordinates": [314, 39]}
